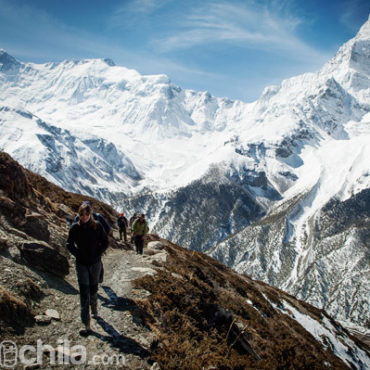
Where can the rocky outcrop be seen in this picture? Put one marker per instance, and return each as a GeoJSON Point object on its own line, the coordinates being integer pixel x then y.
{"type": "Point", "coordinates": [42, 257]}
{"type": "Point", "coordinates": [37, 227]}
{"type": "Point", "coordinates": [34, 224]}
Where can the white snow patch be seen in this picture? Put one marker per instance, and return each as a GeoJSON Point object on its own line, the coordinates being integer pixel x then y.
{"type": "Point", "coordinates": [342, 346]}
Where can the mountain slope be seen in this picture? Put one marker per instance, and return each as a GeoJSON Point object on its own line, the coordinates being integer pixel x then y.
{"type": "Point", "coordinates": [314, 243]}
{"type": "Point", "coordinates": [179, 308]}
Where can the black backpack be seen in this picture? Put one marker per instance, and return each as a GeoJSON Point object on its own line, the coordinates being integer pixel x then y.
{"type": "Point", "coordinates": [121, 222]}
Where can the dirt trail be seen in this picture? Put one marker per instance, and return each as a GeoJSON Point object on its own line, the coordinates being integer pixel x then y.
{"type": "Point", "coordinates": [118, 330]}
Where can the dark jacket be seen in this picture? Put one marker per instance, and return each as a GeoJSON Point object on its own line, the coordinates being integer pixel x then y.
{"type": "Point", "coordinates": [122, 222]}
{"type": "Point", "coordinates": [86, 243]}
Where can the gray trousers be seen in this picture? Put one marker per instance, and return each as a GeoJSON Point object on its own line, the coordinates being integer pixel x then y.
{"type": "Point", "coordinates": [88, 279]}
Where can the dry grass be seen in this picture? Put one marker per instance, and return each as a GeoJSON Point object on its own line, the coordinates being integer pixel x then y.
{"type": "Point", "coordinates": [14, 314]}
{"type": "Point", "coordinates": [55, 194]}
{"type": "Point", "coordinates": [187, 297]}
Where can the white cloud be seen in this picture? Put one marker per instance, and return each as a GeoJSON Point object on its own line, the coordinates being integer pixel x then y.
{"type": "Point", "coordinates": [241, 24]}
{"type": "Point", "coordinates": [133, 11]}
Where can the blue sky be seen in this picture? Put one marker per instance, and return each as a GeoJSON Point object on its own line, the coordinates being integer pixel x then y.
{"type": "Point", "coordinates": [230, 48]}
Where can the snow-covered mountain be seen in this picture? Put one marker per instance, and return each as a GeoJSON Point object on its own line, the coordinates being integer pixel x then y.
{"type": "Point", "coordinates": [315, 242]}
{"type": "Point", "coordinates": [205, 168]}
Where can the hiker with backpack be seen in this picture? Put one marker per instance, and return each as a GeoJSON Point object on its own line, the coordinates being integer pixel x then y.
{"type": "Point", "coordinates": [87, 241]}
{"type": "Point", "coordinates": [122, 225]}
{"type": "Point", "coordinates": [139, 229]}
{"type": "Point", "coordinates": [106, 227]}
{"type": "Point", "coordinates": [97, 217]}
{"type": "Point", "coordinates": [132, 220]}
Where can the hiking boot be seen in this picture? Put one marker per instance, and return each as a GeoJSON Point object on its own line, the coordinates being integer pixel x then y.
{"type": "Point", "coordinates": [87, 331]}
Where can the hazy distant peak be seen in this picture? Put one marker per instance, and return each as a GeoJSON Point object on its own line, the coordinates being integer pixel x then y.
{"type": "Point", "coordinates": [7, 62]}
{"type": "Point", "coordinates": [110, 62]}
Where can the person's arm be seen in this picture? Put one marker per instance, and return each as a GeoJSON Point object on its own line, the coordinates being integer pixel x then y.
{"type": "Point", "coordinates": [71, 241]}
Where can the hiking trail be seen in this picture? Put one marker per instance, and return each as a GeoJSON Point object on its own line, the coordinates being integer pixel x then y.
{"type": "Point", "coordinates": [118, 329]}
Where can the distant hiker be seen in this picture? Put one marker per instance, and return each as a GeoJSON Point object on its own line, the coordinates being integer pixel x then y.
{"type": "Point", "coordinates": [122, 225]}
{"type": "Point", "coordinates": [106, 227]}
{"type": "Point", "coordinates": [87, 241]}
{"type": "Point", "coordinates": [133, 218]}
{"type": "Point", "coordinates": [139, 229]}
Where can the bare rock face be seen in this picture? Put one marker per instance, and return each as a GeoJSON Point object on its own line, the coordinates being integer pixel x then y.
{"type": "Point", "coordinates": [45, 258]}
{"type": "Point", "coordinates": [33, 224]}
{"type": "Point", "coordinates": [37, 227]}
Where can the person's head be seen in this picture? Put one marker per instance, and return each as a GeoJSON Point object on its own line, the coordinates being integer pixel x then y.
{"type": "Point", "coordinates": [142, 217]}
{"type": "Point", "coordinates": [121, 214]}
{"type": "Point", "coordinates": [85, 213]}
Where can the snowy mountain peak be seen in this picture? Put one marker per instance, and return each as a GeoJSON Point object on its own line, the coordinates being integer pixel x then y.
{"type": "Point", "coordinates": [352, 58]}
{"type": "Point", "coordinates": [364, 31]}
